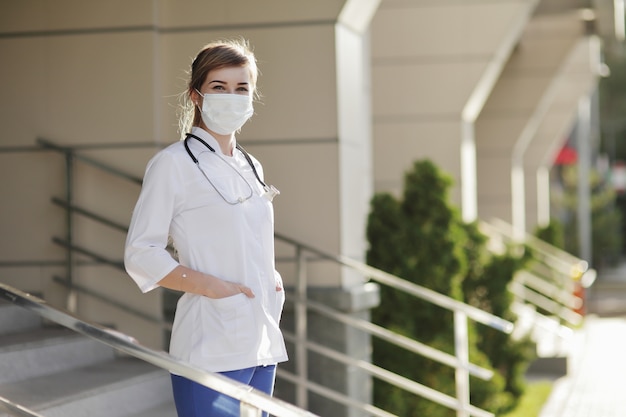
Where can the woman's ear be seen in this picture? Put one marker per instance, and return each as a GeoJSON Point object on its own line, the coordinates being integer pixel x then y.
{"type": "Point", "coordinates": [195, 98]}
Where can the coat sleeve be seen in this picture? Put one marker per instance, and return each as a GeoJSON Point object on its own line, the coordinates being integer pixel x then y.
{"type": "Point", "coordinates": [146, 257]}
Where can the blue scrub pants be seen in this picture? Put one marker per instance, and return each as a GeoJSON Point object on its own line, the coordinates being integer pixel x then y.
{"type": "Point", "coordinates": [195, 400]}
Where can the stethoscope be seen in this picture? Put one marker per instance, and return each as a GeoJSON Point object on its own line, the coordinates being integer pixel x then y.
{"type": "Point", "coordinates": [269, 191]}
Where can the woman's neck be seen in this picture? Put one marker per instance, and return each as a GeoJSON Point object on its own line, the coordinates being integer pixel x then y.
{"type": "Point", "coordinates": [226, 142]}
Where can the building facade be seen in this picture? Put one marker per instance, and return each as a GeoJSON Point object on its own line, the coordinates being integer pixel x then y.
{"type": "Point", "coordinates": [354, 91]}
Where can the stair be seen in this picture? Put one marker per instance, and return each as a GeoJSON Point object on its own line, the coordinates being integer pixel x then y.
{"type": "Point", "coordinates": [57, 372]}
{"type": "Point", "coordinates": [552, 342]}
{"type": "Point", "coordinates": [607, 296]}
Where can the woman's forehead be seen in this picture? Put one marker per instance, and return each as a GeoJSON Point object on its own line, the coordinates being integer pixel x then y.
{"type": "Point", "coordinates": [230, 74]}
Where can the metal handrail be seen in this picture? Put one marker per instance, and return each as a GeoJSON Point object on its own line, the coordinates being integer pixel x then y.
{"type": "Point", "coordinates": [89, 214]}
{"type": "Point", "coordinates": [373, 329]}
{"type": "Point", "coordinates": [375, 274]}
{"type": "Point", "coordinates": [14, 409]}
{"type": "Point", "coordinates": [380, 373]}
{"type": "Point", "coordinates": [557, 259]}
{"type": "Point", "coordinates": [383, 374]}
{"type": "Point", "coordinates": [397, 339]}
{"type": "Point", "coordinates": [550, 283]}
{"type": "Point", "coordinates": [47, 144]}
{"type": "Point", "coordinates": [546, 303]}
{"type": "Point", "coordinates": [549, 289]}
{"type": "Point", "coordinates": [462, 312]}
{"type": "Point", "coordinates": [163, 324]}
{"type": "Point", "coordinates": [252, 400]}
{"type": "Point", "coordinates": [395, 282]}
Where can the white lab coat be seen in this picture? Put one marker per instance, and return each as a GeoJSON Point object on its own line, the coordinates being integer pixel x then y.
{"type": "Point", "coordinates": [234, 242]}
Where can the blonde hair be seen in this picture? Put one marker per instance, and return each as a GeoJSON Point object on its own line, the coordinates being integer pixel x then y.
{"type": "Point", "coordinates": [215, 55]}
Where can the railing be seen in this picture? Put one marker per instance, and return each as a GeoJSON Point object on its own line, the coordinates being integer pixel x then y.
{"type": "Point", "coordinates": [550, 288]}
{"type": "Point", "coordinates": [252, 400]}
{"type": "Point", "coordinates": [461, 313]}
{"type": "Point", "coordinates": [14, 409]}
{"type": "Point", "coordinates": [459, 361]}
{"type": "Point", "coordinates": [70, 157]}
{"type": "Point", "coordinates": [567, 265]}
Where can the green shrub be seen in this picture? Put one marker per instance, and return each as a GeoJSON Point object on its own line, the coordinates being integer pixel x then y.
{"type": "Point", "coordinates": [552, 233]}
{"type": "Point", "coordinates": [422, 239]}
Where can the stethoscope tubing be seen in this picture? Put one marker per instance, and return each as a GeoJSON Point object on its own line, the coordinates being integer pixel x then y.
{"type": "Point", "coordinates": [239, 147]}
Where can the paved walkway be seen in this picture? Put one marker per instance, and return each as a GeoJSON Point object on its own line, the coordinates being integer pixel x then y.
{"type": "Point", "coordinates": [596, 382]}
{"type": "Point", "coordinates": [595, 385]}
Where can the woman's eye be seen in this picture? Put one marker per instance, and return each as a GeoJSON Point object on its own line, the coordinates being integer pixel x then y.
{"type": "Point", "coordinates": [218, 87]}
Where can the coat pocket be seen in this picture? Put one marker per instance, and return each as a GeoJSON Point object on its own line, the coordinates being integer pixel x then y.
{"type": "Point", "coordinates": [228, 326]}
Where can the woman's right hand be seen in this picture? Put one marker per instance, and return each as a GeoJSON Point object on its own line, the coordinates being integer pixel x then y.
{"type": "Point", "coordinates": [223, 289]}
{"type": "Point", "coordinates": [188, 280]}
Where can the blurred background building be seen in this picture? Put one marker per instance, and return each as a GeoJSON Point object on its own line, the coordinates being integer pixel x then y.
{"type": "Point", "coordinates": [354, 91]}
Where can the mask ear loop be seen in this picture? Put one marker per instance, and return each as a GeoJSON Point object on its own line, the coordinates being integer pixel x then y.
{"type": "Point", "coordinates": [197, 103]}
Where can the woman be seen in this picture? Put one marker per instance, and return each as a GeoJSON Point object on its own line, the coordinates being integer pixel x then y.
{"type": "Point", "coordinates": [207, 195]}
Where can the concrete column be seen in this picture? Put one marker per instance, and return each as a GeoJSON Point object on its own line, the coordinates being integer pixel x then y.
{"type": "Point", "coordinates": [529, 114]}
{"type": "Point", "coordinates": [434, 66]}
{"type": "Point", "coordinates": [576, 78]}
{"type": "Point", "coordinates": [333, 175]}
{"type": "Point", "coordinates": [583, 141]}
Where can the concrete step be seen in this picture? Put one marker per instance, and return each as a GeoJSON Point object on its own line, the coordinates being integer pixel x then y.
{"type": "Point", "coordinates": [552, 342]}
{"type": "Point", "coordinates": [121, 387]}
{"type": "Point", "coordinates": [163, 410]}
{"type": "Point", "coordinates": [14, 318]}
{"type": "Point", "coordinates": [57, 372]}
{"type": "Point", "coordinates": [47, 350]}
{"type": "Point", "coordinates": [606, 298]}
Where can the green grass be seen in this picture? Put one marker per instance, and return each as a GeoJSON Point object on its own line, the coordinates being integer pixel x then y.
{"type": "Point", "coordinates": [536, 395]}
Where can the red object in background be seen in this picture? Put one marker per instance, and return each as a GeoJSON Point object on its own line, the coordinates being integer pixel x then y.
{"type": "Point", "coordinates": [618, 176]}
{"type": "Point", "coordinates": [579, 291]}
{"type": "Point", "coordinates": [566, 156]}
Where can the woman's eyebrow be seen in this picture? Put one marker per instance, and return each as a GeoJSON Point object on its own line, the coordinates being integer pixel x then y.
{"type": "Point", "coordinates": [224, 82]}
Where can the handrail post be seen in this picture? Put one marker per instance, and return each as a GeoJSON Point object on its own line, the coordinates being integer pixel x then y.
{"type": "Point", "coordinates": [301, 329]}
{"type": "Point", "coordinates": [461, 348]}
{"type": "Point", "coordinates": [71, 302]}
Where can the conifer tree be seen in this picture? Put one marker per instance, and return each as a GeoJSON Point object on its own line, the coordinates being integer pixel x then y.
{"type": "Point", "coordinates": [421, 238]}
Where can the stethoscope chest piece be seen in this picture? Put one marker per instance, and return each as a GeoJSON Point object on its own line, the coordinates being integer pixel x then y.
{"type": "Point", "coordinates": [269, 192]}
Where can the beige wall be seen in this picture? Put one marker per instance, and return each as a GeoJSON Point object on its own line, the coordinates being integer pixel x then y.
{"type": "Point", "coordinates": [108, 73]}
{"type": "Point", "coordinates": [530, 113]}
{"type": "Point", "coordinates": [577, 81]}
{"type": "Point", "coordinates": [431, 61]}
{"type": "Point", "coordinates": [347, 109]}
{"type": "Point", "coordinates": [448, 73]}
{"type": "Point", "coordinates": [71, 73]}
